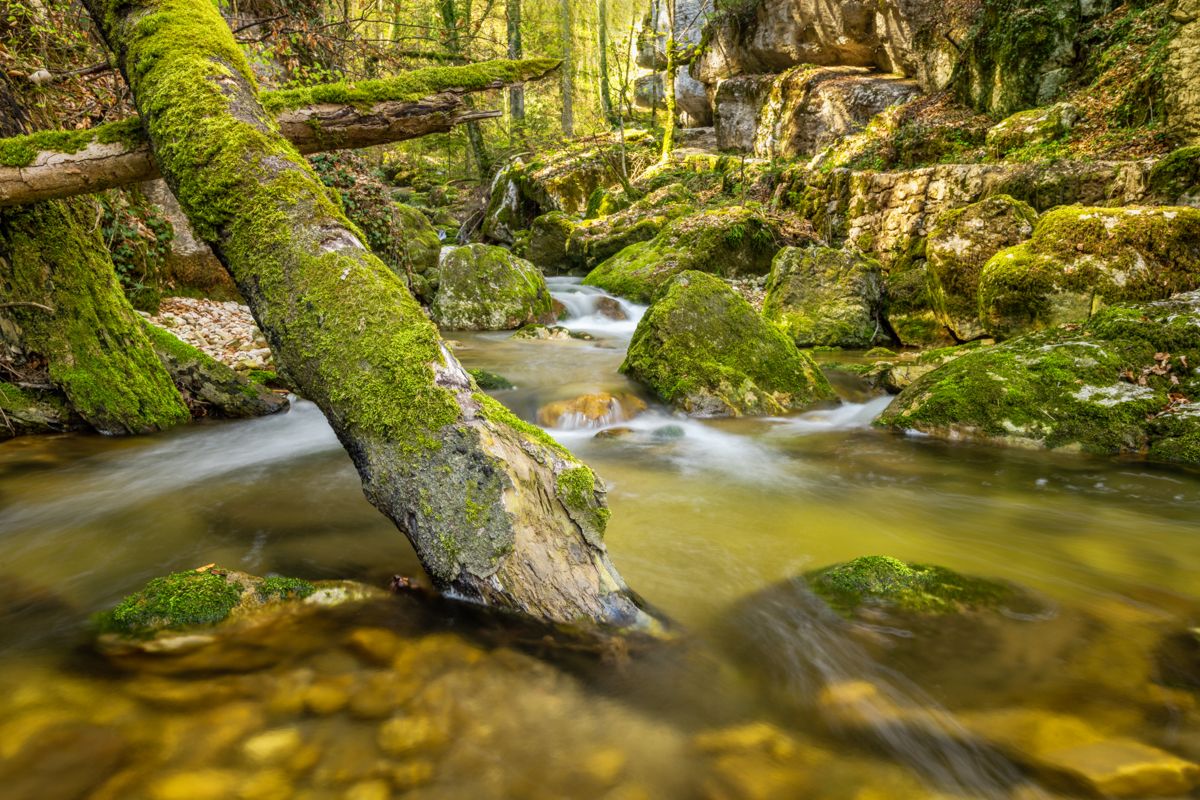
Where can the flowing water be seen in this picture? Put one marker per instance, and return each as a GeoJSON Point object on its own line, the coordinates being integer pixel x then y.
{"type": "Point", "coordinates": [766, 694]}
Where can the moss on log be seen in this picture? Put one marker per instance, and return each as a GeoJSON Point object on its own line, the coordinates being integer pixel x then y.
{"type": "Point", "coordinates": [476, 491]}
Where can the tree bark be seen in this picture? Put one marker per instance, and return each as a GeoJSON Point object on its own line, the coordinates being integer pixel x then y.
{"type": "Point", "coordinates": [114, 158]}
{"type": "Point", "coordinates": [568, 69]}
{"type": "Point", "coordinates": [454, 46]}
{"type": "Point", "coordinates": [495, 509]}
{"type": "Point", "coordinates": [516, 94]}
{"type": "Point", "coordinates": [668, 143]}
{"type": "Point", "coordinates": [606, 103]}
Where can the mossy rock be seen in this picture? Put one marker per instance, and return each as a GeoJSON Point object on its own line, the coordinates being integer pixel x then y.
{"type": "Point", "coordinates": [703, 349]}
{"type": "Point", "coordinates": [1031, 128]}
{"type": "Point", "coordinates": [730, 242]}
{"type": "Point", "coordinates": [959, 244]}
{"type": "Point", "coordinates": [895, 374]}
{"type": "Point", "coordinates": [419, 240]}
{"type": "Point", "coordinates": [1176, 178]}
{"type": "Point", "coordinates": [1081, 258]}
{"type": "Point", "coordinates": [890, 582]}
{"type": "Point", "coordinates": [490, 381]}
{"type": "Point", "coordinates": [823, 296]}
{"type": "Point", "coordinates": [909, 304]}
{"type": "Point", "coordinates": [482, 287]}
{"type": "Point", "coordinates": [1118, 384]}
{"type": "Point", "coordinates": [548, 235]}
{"type": "Point", "coordinates": [28, 411]}
{"type": "Point", "coordinates": [596, 240]}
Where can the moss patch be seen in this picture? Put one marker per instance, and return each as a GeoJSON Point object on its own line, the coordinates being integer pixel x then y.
{"type": "Point", "coordinates": [482, 287]}
{"type": "Point", "coordinates": [702, 348]}
{"type": "Point", "coordinates": [174, 602]}
{"type": "Point", "coordinates": [915, 588]}
{"type": "Point", "coordinates": [823, 296]}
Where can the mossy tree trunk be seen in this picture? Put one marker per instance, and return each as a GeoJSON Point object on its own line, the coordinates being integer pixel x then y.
{"type": "Point", "coordinates": [668, 143]}
{"type": "Point", "coordinates": [497, 512]}
{"type": "Point", "coordinates": [63, 314]}
{"type": "Point", "coordinates": [568, 68]}
{"type": "Point", "coordinates": [516, 94]}
{"type": "Point", "coordinates": [606, 102]}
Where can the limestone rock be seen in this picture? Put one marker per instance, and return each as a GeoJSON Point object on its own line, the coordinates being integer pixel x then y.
{"type": "Point", "coordinates": [1122, 382]}
{"type": "Point", "coordinates": [1033, 127]}
{"type": "Point", "coordinates": [731, 242]}
{"type": "Point", "coordinates": [958, 247]}
{"type": "Point", "coordinates": [822, 296]}
{"type": "Point", "coordinates": [648, 92]}
{"type": "Point", "coordinates": [703, 349]}
{"type": "Point", "coordinates": [1183, 77]}
{"type": "Point", "coordinates": [803, 110]}
{"type": "Point", "coordinates": [1080, 258]}
{"type": "Point", "coordinates": [483, 287]}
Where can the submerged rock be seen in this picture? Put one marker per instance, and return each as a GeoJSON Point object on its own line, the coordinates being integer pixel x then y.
{"type": "Point", "coordinates": [730, 242]}
{"type": "Point", "coordinates": [959, 245]}
{"type": "Point", "coordinates": [823, 296]}
{"type": "Point", "coordinates": [490, 381]}
{"type": "Point", "coordinates": [482, 287]}
{"type": "Point", "coordinates": [885, 582]}
{"type": "Point", "coordinates": [703, 349]}
{"type": "Point", "coordinates": [552, 333]}
{"type": "Point", "coordinates": [1080, 258]}
{"type": "Point", "coordinates": [591, 411]}
{"type": "Point", "coordinates": [1123, 382]}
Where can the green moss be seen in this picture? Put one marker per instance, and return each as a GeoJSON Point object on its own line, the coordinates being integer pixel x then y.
{"type": "Point", "coordinates": [1081, 257]}
{"type": "Point", "coordinates": [483, 287]}
{"type": "Point", "coordinates": [731, 242]}
{"type": "Point", "coordinates": [175, 602]}
{"type": "Point", "coordinates": [1076, 386]}
{"type": "Point", "coordinates": [577, 490]}
{"type": "Point", "coordinates": [493, 410]}
{"type": "Point", "coordinates": [915, 588]}
{"type": "Point", "coordinates": [702, 348]}
{"type": "Point", "coordinates": [412, 85]}
{"type": "Point", "coordinates": [20, 151]}
{"type": "Point", "coordinates": [490, 381]}
{"type": "Point", "coordinates": [279, 588]}
{"type": "Point", "coordinates": [93, 341]}
{"type": "Point", "coordinates": [1176, 176]}
{"type": "Point", "coordinates": [823, 296]}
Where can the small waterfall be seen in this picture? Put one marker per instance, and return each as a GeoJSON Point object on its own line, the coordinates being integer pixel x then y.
{"type": "Point", "coordinates": [591, 310]}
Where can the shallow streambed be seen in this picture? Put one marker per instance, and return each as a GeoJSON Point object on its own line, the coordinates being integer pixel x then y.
{"type": "Point", "coordinates": [408, 695]}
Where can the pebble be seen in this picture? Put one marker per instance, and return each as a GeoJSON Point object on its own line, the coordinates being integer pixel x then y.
{"type": "Point", "coordinates": [273, 746]}
{"type": "Point", "coordinates": [224, 330]}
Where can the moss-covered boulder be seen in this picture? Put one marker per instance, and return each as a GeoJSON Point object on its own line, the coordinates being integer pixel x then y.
{"type": "Point", "coordinates": [883, 581]}
{"type": "Point", "coordinates": [595, 240]}
{"type": "Point", "coordinates": [1081, 258]}
{"type": "Point", "coordinates": [1123, 382]}
{"type": "Point", "coordinates": [730, 242]}
{"type": "Point", "coordinates": [213, 618]}
{"type": "Point", "coordinates": [959, 245]}
{"type": "Point", "coordinates": [35, 411]}
{"type": "Point", "coordinates": [1030, 128]}
{"type": "Point", "coordinates": [893, 374]}
{"type": "Point", "coordinates": [909, 303]}
{"type": "Point", "coordinates": [703, 349]}
{"type": "Point", "coordinates": [823, 296]}
{"type": "Point", "coordinates": [487, 288]}
{"type": "Point", "coordinates": [210, 388]}
{"type": "Point", "coordinates": [418, 244]}
{"type": "Point", "coordinates": [548, 236]}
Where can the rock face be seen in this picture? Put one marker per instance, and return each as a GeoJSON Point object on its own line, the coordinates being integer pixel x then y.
{"type": "Point", "coordinates": [900, 36]}
{"type": "Point", "coordinates": [1080, 258]}
{"type": "Point", "coordinates": [486, 288]}
{"type": "Point", "coordinates": [803, 110]}
{"type": "Point", "coordinates": [648, 92]}
{"type": "Point", "coordinates": [703, 349]}
{"type": "Point", "coordinates": [1184, 70]}
{"type": "Point", "coordinates": [888, 214]}
{"type": "Point", "coordinates": [822, 296]}
{"type": "Point", "coordinates": [730, 242]}
{"type": "Point", "coordinates": [1123, 382]}
{"type": "Point", "coordinates": [958, 247]}
{"type": "Point", "coordinates": [691, 96]}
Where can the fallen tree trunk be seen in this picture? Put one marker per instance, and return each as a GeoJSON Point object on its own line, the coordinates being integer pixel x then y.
{"type": "Point", "coordinates": [495, 509]}
{"type": "Point", "coordinates": [57, 164]}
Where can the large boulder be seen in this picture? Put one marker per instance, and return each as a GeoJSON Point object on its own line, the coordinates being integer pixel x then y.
{"type": "Point", "coordinates": [959, 245]}
{"type": "Point", "coordinates": [703, 349]}
{"type": "Point", "coordinates": [803, 110]}
{"type": "Point", "coordinates": [823, 296]}
{"type": "Point", "coordinates": [730, 242]}
{"type": "Point", "coordinates": [487, 288]}
{"type": "Point", "coordinates": [1123, 382]}
{"type": "Point", "coordinates": [1080, 258]}
{"type": "Point", "coordinates": [1030, 128]}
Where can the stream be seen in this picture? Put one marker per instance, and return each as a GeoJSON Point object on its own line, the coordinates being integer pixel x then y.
{"type": "Point", "coordinates": [766, 694]}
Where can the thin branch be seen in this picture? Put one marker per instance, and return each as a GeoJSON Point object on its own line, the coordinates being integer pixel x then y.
{"type": "Point", "coordinates": [27, 304]}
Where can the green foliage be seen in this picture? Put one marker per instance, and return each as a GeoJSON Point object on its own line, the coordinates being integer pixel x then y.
{"type": "Point", "coordinates": [138, 237]}
{"type": "Point", "coordinates": [174, 602]}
